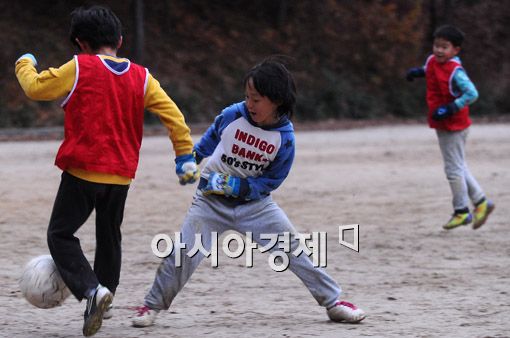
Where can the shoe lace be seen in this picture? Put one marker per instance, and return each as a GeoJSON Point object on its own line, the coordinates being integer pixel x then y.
{"type": "Point", "coordinates": [459, 217]}
{"type": "Point", "coordinates": [480, 208]}
{"type": "Point", "coordinates": [141, 310]}
{"type": "Point", "coordinates": [344, 303]}
{"type": "Point", "coordinates": [90, 304]}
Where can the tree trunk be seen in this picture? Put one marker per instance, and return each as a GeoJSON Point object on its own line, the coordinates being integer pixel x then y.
{"type": "Point", "coordinates": [447, 12]}
{"type": "Point", "coordinates": [138, 23]}
{"type": "Point", "coordinates": [282, 14]}
{"type": "Point", "coordinates": [432, 25]}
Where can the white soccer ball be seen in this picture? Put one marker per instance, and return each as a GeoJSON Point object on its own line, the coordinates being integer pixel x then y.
{"type": "Point", "coordinates": [41, 283]}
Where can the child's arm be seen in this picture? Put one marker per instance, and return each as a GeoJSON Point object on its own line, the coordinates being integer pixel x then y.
{"type": "Point", "coordinates": [415, 72]}
{"type": "Point", "coordinates": [465, 87]}
{"type": "Point", "coordinates": [158, 102]}
{"type": "Point", "coordinates": [275, 174]}
{"type": "Point", "coordinates": [466, 92]}
{"type": "Point", "coordinates": [208, 142]}
{"type": "Point", "coordinates": [47, 85]}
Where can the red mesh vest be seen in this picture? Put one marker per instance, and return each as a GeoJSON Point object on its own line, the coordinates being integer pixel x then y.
{"type": "Point", "coordinates": [439, 77]}
{"type": "Point", "coordinates": [103, 118]}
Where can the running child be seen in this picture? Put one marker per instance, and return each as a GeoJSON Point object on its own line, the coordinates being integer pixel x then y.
{"type": "Point", "coordinates": [105, 97]}
{"type": "Point", "coordinates": [234, 192]}
{"type": "Point", "coordinates": [449, 94]}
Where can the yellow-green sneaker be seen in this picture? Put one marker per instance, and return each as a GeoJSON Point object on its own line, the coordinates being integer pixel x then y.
{"type": "Point", "coordinates": [482, 212]}
{"type": "Point", "coordinates": [458, 220]}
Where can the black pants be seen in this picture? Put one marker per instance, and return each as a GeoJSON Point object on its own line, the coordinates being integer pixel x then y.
{"type": "Point", "coordinates": [74, 203]}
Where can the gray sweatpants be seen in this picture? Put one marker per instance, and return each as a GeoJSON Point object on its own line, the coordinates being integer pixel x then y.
{"type": "Point", "coordinates": [215, 214]}
{"type": "Point", "coordinates": [463, 185]}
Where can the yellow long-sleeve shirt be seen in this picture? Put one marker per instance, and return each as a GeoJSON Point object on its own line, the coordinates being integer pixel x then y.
{"type": "Point", "coordinates": [56, 83]}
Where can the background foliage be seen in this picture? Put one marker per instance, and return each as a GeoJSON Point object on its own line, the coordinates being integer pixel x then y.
{"type": "Point", "coordinates": [349, 57]}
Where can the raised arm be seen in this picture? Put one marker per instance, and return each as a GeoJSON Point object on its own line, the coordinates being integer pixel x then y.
{"type": "Point", "coordinates": [47, 85]}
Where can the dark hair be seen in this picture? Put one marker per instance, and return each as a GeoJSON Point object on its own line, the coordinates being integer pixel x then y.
{"type": "Point", "coordinates": [272, 79]}
{"type": "Point", "coordinates": [97, 25]}
{"type": "Point", "coordinates": [450, 33]}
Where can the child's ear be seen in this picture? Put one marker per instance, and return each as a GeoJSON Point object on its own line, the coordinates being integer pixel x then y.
{"type": "Point", "coordinates": [78, 43]}
{"type": "Point", "coordinates": [84, 46]}
{"type": "Point", "coordinates": [457, 50]}
{"type": "Point", "coordinates": [119, 43]}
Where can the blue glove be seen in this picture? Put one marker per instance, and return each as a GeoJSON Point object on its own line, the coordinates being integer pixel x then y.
{"type": "Point", "coordinates": [445, 111]}
{"type": "Point", "coordinates": [28, 56]}
{"type": "Point", "coordinates": [222, 184]}
{"type": "Point", "coordinates": [186, 168]}
{"type": "Point", "coordinates": [414, 73]}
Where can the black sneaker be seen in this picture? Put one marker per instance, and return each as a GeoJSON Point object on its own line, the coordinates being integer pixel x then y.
{"type": "Point", "coordinates": [96, 307]}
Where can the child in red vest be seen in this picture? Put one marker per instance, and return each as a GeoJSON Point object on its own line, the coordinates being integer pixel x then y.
{"type": "Point", "coordinates": [104, 101]}
{"type": "Point", "coordinates": [449, 92]}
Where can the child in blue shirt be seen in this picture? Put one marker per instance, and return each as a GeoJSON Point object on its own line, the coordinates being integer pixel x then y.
{"type": "Point", "coordinates": [250, 147]}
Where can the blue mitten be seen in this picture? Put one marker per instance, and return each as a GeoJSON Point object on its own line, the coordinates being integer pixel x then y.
{"type": "Point", "coordinates": [29, 57]}
{"type": "Point", "coordinates": [222, 184]}
{"type": "Point", "coordinates": [186, 169]}
{"type": "Point", "coordinates": [414, 73]}
{"type": "Point", "coordinates": [445, 111]}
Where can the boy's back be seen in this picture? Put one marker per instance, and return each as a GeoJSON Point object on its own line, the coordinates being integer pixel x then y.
{"type": "Point", "coordinates": [105, 99]}
{"type": "Point", "coordinates": [104, 116]}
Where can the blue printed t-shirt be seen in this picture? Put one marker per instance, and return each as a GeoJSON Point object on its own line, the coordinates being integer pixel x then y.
{"type": "Point", "coordinates": [236, 146]}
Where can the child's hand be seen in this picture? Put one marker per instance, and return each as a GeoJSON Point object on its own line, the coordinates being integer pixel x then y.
{"type": "Point", "coordinates": [415, 73]}
{"type": "Point", "coordinates": [29, 57]}
{"type": "Point", "coordinates": [222, 184]}
{"type": "Point", "coordinates": [186, 168]}
{"type": "Point", "coordinates": [445, 111]}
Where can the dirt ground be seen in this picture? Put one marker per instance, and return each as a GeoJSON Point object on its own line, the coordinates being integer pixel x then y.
{"type": "Point", "coordinates": [411, 277]}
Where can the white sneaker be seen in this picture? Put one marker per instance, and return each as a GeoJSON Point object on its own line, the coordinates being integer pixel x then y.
{"type": "Point", "coordinates": [345, 312]}
{"type": "Point", "coordinates": [109, 312]}
{"type": "Point", "coordinates": [145, 316]}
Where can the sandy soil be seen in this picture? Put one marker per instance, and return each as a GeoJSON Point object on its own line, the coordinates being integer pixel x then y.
{"type": "Point", "coordinates": [412, 278]}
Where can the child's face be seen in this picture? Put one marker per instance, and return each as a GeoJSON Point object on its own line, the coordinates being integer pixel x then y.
{"type": "Point", "coordinates": [262, 110]}
{"type": "Point", "coordinates": [444, 50]}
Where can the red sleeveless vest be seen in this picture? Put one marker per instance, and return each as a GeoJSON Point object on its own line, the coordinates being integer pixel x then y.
{"type": "Point", "coordinates": [439, 77]}
{"type": "Point", "coordinates": [103, 118]}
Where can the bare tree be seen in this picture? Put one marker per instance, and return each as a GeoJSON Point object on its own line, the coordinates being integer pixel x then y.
{"type": "Point", "coordinates": [138, 24]}
{"type": "Point", "coordinates": [282, 13]}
